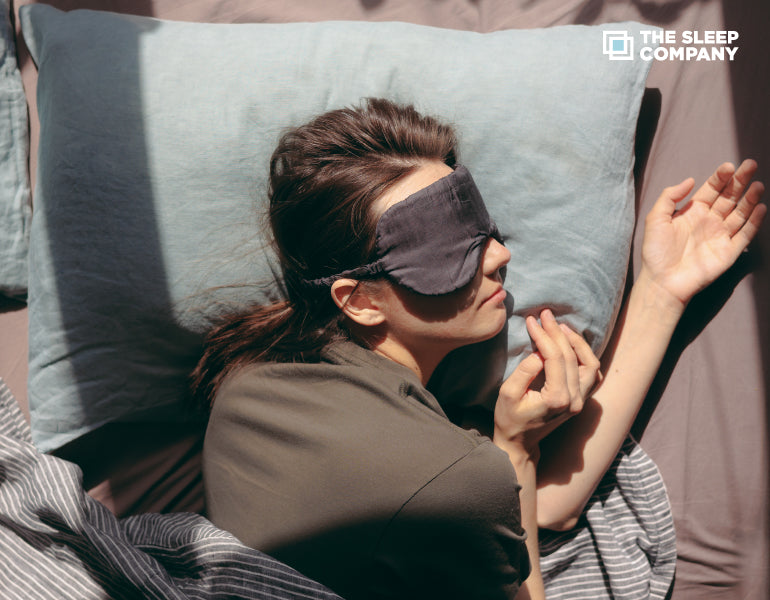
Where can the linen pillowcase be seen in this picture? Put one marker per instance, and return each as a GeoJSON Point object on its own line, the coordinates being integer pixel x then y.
{"type": "Point", "coordinates": [14, 179]}
{"type": "Point", "coordinates": [155, 138]}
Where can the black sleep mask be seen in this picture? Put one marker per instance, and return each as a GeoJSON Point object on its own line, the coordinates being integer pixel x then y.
{"type": "Point", "coordinates": [433, 241]}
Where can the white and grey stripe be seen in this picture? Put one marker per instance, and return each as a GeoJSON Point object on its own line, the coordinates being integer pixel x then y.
{"type": "Point", "coordinates": [57, 542]}
{"type": "Point", "coordinates": [624, 547]}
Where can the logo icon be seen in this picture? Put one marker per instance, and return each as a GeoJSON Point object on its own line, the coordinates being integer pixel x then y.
{"type": "Point", "coordinates": [618, 45]}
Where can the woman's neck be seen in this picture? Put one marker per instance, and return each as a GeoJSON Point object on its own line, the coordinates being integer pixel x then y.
{"type": "Point", "coordinates": [421, 362]}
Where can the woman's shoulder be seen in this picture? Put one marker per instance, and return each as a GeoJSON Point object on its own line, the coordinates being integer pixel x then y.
{"type": "Point", "coordinates": [344, 370]}
{"type": "Point", "coordinates": [344, 364]}
{"type": "Point", "coordinates": [349, 388]}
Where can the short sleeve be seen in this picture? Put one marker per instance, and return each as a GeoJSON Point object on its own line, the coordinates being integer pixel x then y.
{"type": "Point", "coordinates": [459, 536]}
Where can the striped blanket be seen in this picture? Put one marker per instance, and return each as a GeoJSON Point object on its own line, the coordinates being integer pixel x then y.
{"type": "Point", "coordinates": [57, 542]}
{"type": "Point", "coordinates": [624, 546]}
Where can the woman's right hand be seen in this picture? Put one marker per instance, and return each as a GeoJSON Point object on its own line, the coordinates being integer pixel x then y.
{"type": "Point", "coordinates": [524, 415]}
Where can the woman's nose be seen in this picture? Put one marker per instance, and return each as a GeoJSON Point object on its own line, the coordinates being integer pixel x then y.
{"type": "Point", "coordinates": [496, 256]}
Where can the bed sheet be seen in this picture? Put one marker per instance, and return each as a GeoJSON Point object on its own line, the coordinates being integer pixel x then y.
{"type": "Point", "coordinates": [706, 421]}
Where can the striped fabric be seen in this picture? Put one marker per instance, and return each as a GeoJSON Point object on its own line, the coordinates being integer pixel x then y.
{"type": "Point", "coordinates": [57, 542]}
{"type": "Point", "coordinates": [624, 547]}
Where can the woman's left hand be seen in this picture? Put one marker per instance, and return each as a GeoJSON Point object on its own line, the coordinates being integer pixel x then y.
{"type": "Point", "coordinates": [685, 250]}
{"type": "Point", "coordinates": [526, 415]}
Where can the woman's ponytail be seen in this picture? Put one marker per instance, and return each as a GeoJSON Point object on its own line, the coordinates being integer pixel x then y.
{"type": "Point", "coordinates": [273, 332]}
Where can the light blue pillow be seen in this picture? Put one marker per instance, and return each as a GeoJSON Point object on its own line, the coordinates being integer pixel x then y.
{"type": "Point", "coordinates": [14, 179]}
{"type": "Point", "coordinates": [155, 138]}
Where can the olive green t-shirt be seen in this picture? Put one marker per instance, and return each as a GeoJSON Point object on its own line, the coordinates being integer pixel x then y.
{"type": "Point", "coordinates": [349, 471]}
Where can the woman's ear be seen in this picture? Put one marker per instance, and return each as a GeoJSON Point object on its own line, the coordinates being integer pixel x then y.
{"type": "Point", "coordinates": [357, 302]}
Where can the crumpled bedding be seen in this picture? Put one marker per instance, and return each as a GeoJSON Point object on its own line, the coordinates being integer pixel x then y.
{"type": "Point", "coordinates": [624, 545]}
{"type": "Point", "coordinates": [58, 542]}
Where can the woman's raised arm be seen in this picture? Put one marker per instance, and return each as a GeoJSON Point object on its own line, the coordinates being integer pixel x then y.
{"type": "Point", "coordinates": [683, 251]}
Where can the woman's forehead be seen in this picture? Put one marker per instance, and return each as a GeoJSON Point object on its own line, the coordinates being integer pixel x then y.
{"type": "Point", "coordinates": [428, 173]}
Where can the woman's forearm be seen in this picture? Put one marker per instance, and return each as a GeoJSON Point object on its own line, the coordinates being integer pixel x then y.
{"type": "Point", "coordinates": [574, 460]}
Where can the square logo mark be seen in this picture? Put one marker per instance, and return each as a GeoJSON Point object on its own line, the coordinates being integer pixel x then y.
{"type": "Point", "coordinates": [618, 45]}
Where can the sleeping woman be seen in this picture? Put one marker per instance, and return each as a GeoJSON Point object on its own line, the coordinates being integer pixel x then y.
{"type": "Point", "coordinates": [324, 447]}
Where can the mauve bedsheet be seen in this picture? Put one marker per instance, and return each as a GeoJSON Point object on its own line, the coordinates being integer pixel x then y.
{"type": "Point", "coordinates": [705, 422]}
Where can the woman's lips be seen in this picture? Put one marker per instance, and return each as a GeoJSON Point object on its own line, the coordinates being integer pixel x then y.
{"type": "Point", "coordinates": [497, 297]}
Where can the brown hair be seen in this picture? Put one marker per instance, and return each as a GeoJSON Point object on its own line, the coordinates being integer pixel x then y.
{"type": "Point", "coordinates": [324, 178]}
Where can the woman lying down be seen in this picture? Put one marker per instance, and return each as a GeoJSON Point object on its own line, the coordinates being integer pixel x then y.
{"type": "Point", "coordinates": [325, 449]}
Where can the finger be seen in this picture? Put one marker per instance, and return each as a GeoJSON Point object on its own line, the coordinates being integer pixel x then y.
{"type": "Point", "coordinates": [557, 334]}
{"type": "Point", "coordinates": [583, 350]}
{"type": "Point", "coordinates": [744, 209]}
{"type": "Point", "coordinates": [556, 387]}
{"type": "Point", "coordinates": [665, 206]}
{"type": "Point", "coordinates": [550, 351]}
{"type": "Point", "coordinates": [743, 237]}
{"type": "Point", "coordinates": [587, 359]}
{"type": "Point", "coordinates": [715, 184]}
{"type": "Point", "coordinates": [733, 189]}
{"type": "Point", "coordinates": [523, 375]}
